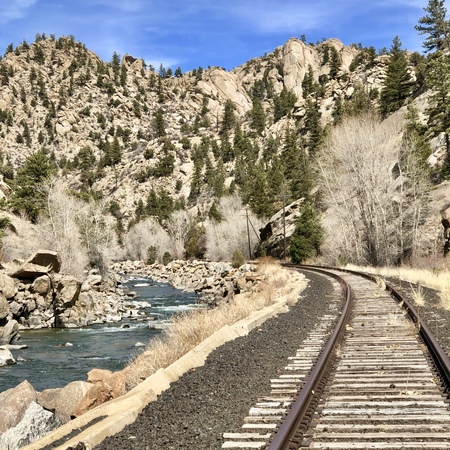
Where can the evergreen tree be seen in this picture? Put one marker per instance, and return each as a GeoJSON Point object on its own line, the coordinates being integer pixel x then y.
{"type": "Point", "coordinates": [229, 117]}
{"type": "Point", "coordinates": [258, 195]}
{"type": "Point", "coordinates": [28, 195]}
{"type": "Point", "coordinates": [166, 163]}
{"type": "Point", "coordinates": [123, 76]}
{"type": "Point", "coordinates": [112, 153]}
{"type": "Point", "coordinates": [160, 126]}
{"type": "Point", "coordinates": [308, 235]}
{"type": "Point", "coordinates": [9, 49]}
{"type": "Point", "coordinates": [258, 116]}
{"type": "Point", "coordinates": [335, 62]}
{"type": "Point", "coordinates": [308, 82]}
{"type": "Point", "coordinates": [438, 81]}
{"type": "Point", "coordinates": [398, 84]}
{"type": "Point", "coordinates": [283, 104]}
{"type": "Point", "coordinates": [435, 26]}
{"type": "Point", "coordinates": [312, 125]}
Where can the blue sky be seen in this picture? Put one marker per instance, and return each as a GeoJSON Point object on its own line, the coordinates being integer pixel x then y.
{"type": "Point", "coordinates": [193, 33]}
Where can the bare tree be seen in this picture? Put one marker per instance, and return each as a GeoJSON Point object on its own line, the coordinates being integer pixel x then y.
{"type": "Point", "coordinates": [79, 231]}
{"type": "Point", "coordinates": [145, 234]}
{"type": "Point", "coordinates": [231, 233]}
{"type": "Point", "coordinates": [375, 189]}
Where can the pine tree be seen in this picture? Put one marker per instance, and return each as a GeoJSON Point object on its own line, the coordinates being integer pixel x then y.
{"type": "Point", "coordinates": [335, 62]}
{"type": "Point", "coordinates": [258, 116]}
{"type": "Point", "coordinates": [312, 125]}
{"type": "Point", "coordinates": [308, 82]}
{"type": "Point", "coordinates": [398, 84]}
{"type": "Point", "coordinates": [283, 104]}
{"type": "Point", "coordinates": [435, 25]}
{"type": "Point", "coordinates": [28, 195]}
{"type": "Point", "coordinates": [308, 235]}
{"type": "Point", "coordinates": [159, 123]}
{"type": "Point", "coordinates": [229, 117]}
{"type": "Point", "coordinates": [438, 81]}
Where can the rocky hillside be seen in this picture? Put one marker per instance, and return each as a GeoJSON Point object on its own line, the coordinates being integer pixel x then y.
{"type": "Point", "coordinates": [107, 124]}
{"type": "Point", "coordinates": [151, 141]}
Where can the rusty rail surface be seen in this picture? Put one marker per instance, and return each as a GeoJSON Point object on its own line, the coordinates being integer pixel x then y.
{"type": "Point", "coordinates": [299, 409]}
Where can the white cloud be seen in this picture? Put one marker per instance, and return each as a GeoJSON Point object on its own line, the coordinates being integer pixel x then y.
{"type": "Point", "coordinates": [14, 9]}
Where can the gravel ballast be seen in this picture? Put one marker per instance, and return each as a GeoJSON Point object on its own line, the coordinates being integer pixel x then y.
{"type": "Point", "coordinates": [213, 399]}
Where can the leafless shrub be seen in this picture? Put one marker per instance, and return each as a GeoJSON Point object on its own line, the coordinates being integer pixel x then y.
{"type": "Point", "coordinates": [375, 189]}
{"type": "Point", "coordinates": [141, 236]}
{"type": "Point", "coordinates": [231, 234]}
{"type": "Point", "coordinates": [77, 230]}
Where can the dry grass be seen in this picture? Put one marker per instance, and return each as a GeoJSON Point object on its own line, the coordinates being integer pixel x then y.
{"type": "Point", "coordinates": [437, 278]}
{"type": "Point", "coordinates": [190, 329]}
{"type": "Point", "coordinates": [418, 295]}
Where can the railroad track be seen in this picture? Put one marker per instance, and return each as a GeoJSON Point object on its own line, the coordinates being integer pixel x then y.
{"type": "Point", "coordinates": [375, 379]}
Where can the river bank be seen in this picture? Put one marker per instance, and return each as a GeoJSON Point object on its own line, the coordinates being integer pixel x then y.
{"type": "Point", "coordinates": [55, 357]}
{"type": "Point", "coordinates": [217, 282]}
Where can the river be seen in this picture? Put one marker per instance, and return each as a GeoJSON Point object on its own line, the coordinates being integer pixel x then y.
{"type": "Point", "coordinates": [55, 357]}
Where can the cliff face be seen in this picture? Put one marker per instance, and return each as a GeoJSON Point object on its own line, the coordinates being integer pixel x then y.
{"type": "Point", "coordinates": [58, 95]}
{"type": "Point", "coordinates": [122, 130]}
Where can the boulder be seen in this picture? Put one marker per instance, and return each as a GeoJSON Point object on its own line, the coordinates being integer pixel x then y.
{"type": "Point", "coordinates": [35, 423]}
{"type": "Point", "coordinates": [7, 286]}
{"type": "Point", "coordinates": [6, 357]}
{"type": "Point", "coordinates": [41, 263]}
{"type": "Point", "coordinates": [9, 331]}
{"type": "Point", "coordinates": [106, 386]}
{"type": "Point", "coordinates": [67, 292]}
{"type": "Point", "coordinates": [41, 285]}
{"type": "Point", "coordinates": [273, 233]}
{"type": "Point", "coordinates": [4, 307]}
{"type": "Point", "coordinates": [63, 401]}
{"type": "Point", "coordinates": [14, 402]}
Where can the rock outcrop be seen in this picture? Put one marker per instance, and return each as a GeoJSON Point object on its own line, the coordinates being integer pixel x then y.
{"type": "Point", "coordinates": [280, 226]}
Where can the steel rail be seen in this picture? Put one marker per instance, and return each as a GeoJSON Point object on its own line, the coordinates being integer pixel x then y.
{"type": "Point", "coordinates": [439, 355]}
{"type": "Point", "coordinates": [299, 408]}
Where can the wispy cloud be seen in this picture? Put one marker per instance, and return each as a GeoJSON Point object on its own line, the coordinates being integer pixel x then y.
{"type": "Point", "coordinates": [202, 32]}
{"type": "Point", "coordinates": [14, 9]}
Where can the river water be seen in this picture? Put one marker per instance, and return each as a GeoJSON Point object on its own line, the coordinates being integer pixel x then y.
{"type": "Point", "coordinates": [55, 357]}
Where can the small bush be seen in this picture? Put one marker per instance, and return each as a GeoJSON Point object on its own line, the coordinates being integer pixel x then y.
{"type": "Point", "coordinates": [167, 257]}
{"type": "Point", "coordinates": [238, 259]}
{"type": "Point", "coordinates": [152, 254]}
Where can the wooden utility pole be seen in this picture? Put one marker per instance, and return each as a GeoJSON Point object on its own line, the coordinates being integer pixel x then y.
{"type": "Point", "coordinates": [248, 235]}
{"type": "Point", "coordinates": [284, 226]}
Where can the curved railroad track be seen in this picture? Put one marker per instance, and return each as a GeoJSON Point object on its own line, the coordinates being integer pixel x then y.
{"type": "Point", "coordinates": [375, 379]}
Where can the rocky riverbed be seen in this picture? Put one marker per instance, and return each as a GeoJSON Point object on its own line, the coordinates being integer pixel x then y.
{"type": "Point", "coordinates": [39, 296]}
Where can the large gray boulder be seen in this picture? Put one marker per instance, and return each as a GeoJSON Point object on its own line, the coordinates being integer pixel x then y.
{"type": "Point", "coordinates": [41, 263]}
{"type": "Point", "coordinates": [9, 331]}
{"type": "Point", "coordinates": [67, 292]}
{"type": "Point", "coordinates": [14, 402]}
{"type": "Point", "coordinates": [4, 308]}
{"type": "Point", "coordinates": [280, 225]}
{"type": "Point", "coordinates": [35, 424]}
{"type": "Point", "coordinates": [63, 401]}
{"type": "Point", "coordinates": [7, 287]}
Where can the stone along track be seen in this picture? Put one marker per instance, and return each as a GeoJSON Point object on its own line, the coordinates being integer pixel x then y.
{"type": "Point", "coordinates": [382, 388]}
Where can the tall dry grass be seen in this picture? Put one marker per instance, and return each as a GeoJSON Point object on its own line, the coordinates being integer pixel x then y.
{"type": "Point", "coordinates": [438, 278]}
{"type": "Point", "coordinates": [190, 329]}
